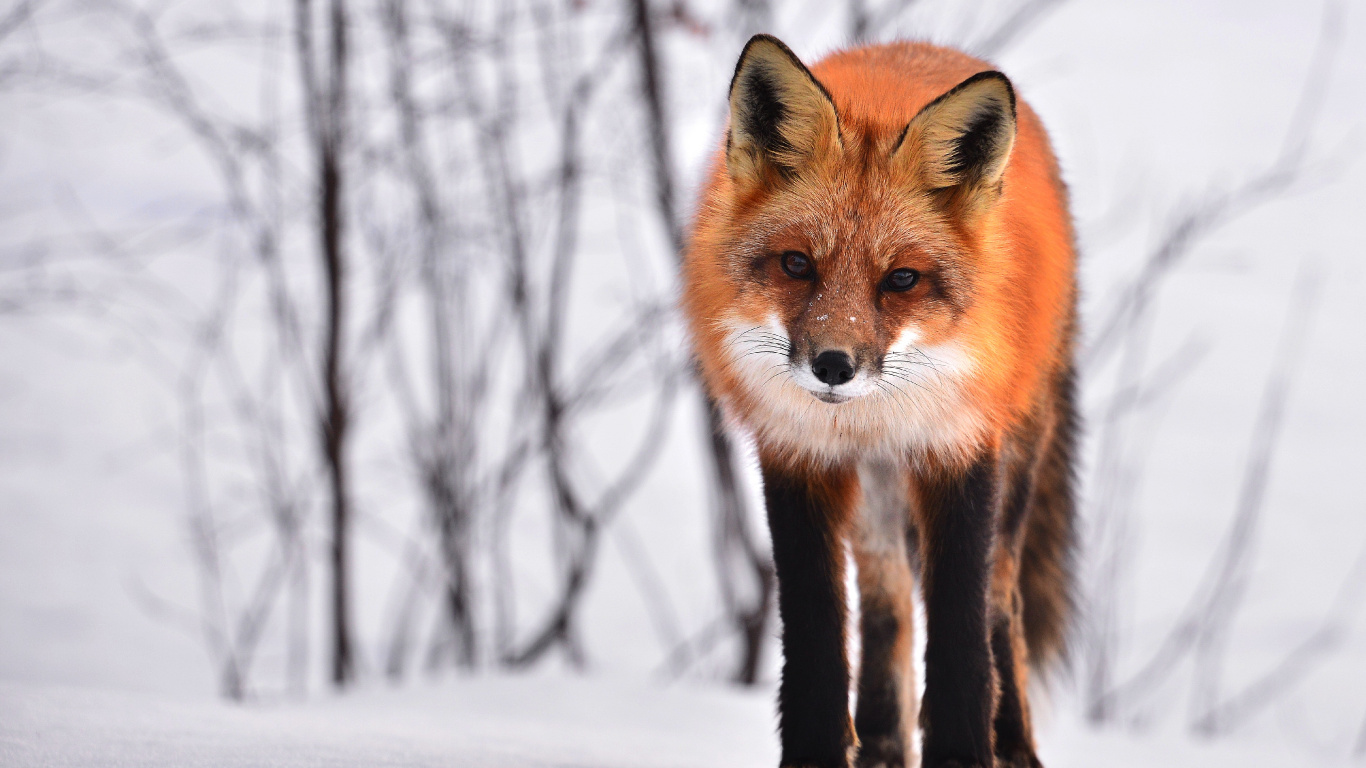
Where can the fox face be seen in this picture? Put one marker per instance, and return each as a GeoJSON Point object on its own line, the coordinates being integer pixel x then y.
{"type": "Point", "coordinates": [837, 283]}
{"type": "Point", "coordinates": [853, 294]}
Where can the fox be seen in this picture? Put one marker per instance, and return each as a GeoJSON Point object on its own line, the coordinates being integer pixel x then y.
{"type": "Point", "coordinates": [879, 285]}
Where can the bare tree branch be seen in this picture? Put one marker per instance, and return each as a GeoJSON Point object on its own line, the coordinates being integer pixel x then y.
{"type": "Point", "coordinates": [325, 96]}
{"type": "Point", "coordinates": [737, 557]}
{"type": "Point", "coordinates": [1024, 17]}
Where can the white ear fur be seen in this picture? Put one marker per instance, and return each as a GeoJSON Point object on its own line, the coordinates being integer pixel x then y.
{"type": "Point", "coordinates": [780, 116]}
{"type": "Point", "coordinates": [963, 139]}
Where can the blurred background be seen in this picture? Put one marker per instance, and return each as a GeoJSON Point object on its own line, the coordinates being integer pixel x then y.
{"type": "Point", "coordinates": [338, 347]}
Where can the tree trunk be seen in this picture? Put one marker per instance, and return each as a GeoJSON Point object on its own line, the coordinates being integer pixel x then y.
{"type": "Point", "coordinates": [325, 105]}
{"type": "Point", "coordinates": [732, 539]}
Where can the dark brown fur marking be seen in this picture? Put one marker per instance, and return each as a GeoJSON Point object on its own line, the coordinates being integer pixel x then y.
{"type": "Point", "coordinates": [886, 714]}
{"type": "Point", "coordinates": [807, 513]}
{"type": "Point", "coordinates": [958, 513]}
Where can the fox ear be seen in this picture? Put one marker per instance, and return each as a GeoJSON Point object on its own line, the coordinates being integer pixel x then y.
{"type": "Point", "coordinates": [961, 141]}
{"type": "Point", "coordinates": [780, 116]}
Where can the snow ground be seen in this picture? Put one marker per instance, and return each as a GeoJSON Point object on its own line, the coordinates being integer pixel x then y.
{"type": "Point", "coordinates": [513, 722]}
{"type": "Point", "coordinates": [491, 722]}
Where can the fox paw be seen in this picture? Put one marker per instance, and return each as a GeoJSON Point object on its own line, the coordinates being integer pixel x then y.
{"type": "Point", "coordinates": [1018, 760]}
{"type": "Point", "coordinates": [882, 753]}
{"type": "Point", "coordinates": [881, 761]}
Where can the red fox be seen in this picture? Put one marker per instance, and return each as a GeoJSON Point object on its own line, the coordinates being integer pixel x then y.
{"type": "Point", "coordinates": [880, 287]}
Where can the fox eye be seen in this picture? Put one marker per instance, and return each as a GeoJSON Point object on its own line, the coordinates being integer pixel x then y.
{"type": "Point", "coordinates": [900, 280]}
{"type": "Point", "coordinates": [797, 264]}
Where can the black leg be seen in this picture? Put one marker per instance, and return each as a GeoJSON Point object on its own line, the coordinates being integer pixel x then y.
{"type": "Point", "coordinates": [885, 718]}
{"type": "Point", "coordinates": [885, 698]}
{"type": "Point", "coordinates": [958, 514]}
{"type": "Point", "coordinates": [1014, 740]}
{"type": "Point", "coordinates": [1014, 743]}
{"type": "Point", "coordinates": [806, 514]}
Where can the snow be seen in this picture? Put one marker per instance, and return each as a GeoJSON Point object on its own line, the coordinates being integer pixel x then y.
{"type": "Point", "coordinates": [490, 722]}
{"type": "Point", "coordinates": [526, 722]}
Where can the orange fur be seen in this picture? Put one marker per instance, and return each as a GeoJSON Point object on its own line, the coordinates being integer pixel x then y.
{"type": "Point", "coordinates": [861, 210]}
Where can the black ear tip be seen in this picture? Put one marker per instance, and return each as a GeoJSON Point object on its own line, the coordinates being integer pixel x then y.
{"type": "Point", "coordinates": [989, 75]}
{"type": "Point", "coordinates": [999, 77]}
{"type": "Point", "coordinates": [764, 37]}
{"type": "Point", "coordinates": [758, 40]}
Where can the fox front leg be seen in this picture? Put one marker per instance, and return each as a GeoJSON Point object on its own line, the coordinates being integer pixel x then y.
{"type": "Point", "coordinates": [958, 512]}
{"type": "Point", "coordinates": [807, 515]}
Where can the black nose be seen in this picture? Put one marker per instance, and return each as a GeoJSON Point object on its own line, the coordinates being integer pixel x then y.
{"type": "Point", "coordinates": [833, 367]}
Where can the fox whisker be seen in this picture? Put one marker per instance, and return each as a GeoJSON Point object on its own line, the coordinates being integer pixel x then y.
{"type": "Point", "coordinates": [776, 375]}
{"type": "Point", "coordinates": [903, 377]}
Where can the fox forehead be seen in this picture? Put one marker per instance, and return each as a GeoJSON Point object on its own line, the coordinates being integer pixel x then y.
{"type": "Point", "coordinates": [850, 218]}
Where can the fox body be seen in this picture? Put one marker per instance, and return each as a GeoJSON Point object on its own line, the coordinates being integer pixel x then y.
{"type": "Point", "coordinates": [880, 286]}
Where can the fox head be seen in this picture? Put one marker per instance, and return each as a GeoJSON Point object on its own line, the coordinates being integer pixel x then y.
{"type": "Point", "coordinates": [836, 269]}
